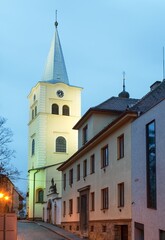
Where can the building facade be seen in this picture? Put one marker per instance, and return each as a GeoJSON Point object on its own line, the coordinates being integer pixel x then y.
{"type": "Point", "coordinates": [113, 185]}
{"type": "Point", "coordinates": [54, 108]}
{"type": "Point", "coordinates": [11, 200]}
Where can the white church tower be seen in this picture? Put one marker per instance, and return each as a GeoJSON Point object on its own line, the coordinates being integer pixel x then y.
{"type": "Point", "coordinates": [54, 108]}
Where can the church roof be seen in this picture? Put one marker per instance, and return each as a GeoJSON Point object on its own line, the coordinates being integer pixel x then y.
{"type": "Point", "coordinates": [55, 69]}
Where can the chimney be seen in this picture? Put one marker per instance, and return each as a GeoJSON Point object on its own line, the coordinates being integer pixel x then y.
{"type": "Point", "coordinates": [154, 85]}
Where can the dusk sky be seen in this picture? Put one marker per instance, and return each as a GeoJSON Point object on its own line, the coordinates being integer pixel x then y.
{"type": "Point", "coordinates": [100, 39]}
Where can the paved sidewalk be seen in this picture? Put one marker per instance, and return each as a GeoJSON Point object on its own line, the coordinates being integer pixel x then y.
{"type": "Point", "coordinates": [60, 231]}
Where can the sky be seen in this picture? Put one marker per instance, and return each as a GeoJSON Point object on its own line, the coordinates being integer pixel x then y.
{"type": "Point", "coordinates": [100, 39]}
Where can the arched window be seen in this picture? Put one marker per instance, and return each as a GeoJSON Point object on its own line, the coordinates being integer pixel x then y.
{"type": "Point", "coordinates": [35, 110]}
{"type": "Point", "coordinates": [65, 110]}
{"type": "Point", "coordinates": [33, 147]}
{"type": "Point", "coordinates": [40, 195]}
{"type": "Point", "coordinates": [33, 114]}
{"type": "Point", "coordinates": [55, 109]}
{"type": "Point", "coordinates": [60, 144]}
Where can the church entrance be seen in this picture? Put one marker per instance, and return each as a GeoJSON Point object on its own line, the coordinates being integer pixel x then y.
{"type": "Point", "coordinates": [49, 212]}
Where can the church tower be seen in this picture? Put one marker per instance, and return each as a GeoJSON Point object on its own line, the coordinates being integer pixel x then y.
{"type": "Point", "coordinates": [54, 108]}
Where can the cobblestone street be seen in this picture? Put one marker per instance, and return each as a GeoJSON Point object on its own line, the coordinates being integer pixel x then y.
{"type": "Point", "coordinates": [28, 230]}
{"type": "Point", "coordinates": [33, 231]}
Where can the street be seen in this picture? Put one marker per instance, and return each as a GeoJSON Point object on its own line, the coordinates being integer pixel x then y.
{"type": "Point", "coordinates": [33, 231]}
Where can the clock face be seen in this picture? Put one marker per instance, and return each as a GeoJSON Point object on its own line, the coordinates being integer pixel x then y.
{"type": "Point", "coordinates": [60, 93]}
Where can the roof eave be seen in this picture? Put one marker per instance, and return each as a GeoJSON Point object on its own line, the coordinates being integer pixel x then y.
{"type": "Point", "coordinates": [127, 116]}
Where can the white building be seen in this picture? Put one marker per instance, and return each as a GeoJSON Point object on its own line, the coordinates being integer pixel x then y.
{"type": "Point", "coordinates": [106, 194]}
{"type": "Point", "coordinates": [148, 166]}
{"type": "Point", "coordinates": [54, 108]}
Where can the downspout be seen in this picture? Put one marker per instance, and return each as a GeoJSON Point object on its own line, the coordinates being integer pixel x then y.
{"type": "Point", "coordinates": [34, 191]}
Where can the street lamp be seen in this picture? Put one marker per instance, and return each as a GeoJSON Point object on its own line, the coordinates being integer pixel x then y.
{"type": "Point", "coordinates": [1, 195]}
{"type": "Point", "coordinates": [4, 197]}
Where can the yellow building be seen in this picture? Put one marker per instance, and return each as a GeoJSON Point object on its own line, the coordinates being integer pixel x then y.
{"type": "Point", "coordinates": [54, 108]}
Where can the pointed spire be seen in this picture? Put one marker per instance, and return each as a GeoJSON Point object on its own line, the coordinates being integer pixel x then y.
{"type": "Point", "coordinates": [124, 94]}
{"type": "Point", "coordinates": [55, 69]}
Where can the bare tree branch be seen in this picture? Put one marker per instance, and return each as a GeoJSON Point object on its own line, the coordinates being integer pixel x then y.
{"type": "Point", "coordinates": [6, 154]}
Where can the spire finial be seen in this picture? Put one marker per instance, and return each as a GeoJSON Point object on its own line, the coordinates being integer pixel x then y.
{"type": "Point", "coordinates": [123, 81]}
{"type": "Point", "coordinates": [56, 23]}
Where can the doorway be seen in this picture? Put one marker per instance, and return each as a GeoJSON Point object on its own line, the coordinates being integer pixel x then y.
{"type": "Point", "coordinates": [121, 232]}
{"type": "Point", "coordinates": [139, 231]}
{"type": "Point", "coordinates": [84, 212]}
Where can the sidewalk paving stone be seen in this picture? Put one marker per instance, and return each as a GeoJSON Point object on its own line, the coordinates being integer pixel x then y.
{"type": "Point", "coordinates": [60, 231]}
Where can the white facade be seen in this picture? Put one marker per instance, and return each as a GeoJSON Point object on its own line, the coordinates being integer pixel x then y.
{"type": "Point", "coordinates": [150, 221]}
{"type": "Point", "coordinates": [123, 200]}
{"type": "Point", "coordinates": [118, 171]}
{"type": "Point", "coordinates": [54, 108]}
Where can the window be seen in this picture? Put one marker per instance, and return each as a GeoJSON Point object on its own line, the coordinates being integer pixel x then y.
{"type": "Point", "coordinates": [92, 201]}
{"type": "Point", "coordinates": [40, 195]}
{"type": "Point", "coordinates": [33, 147]}
{"type": "Point", "coordinates": [34, 97]}
{"type": "Point", "coordinates": [151, 164]}
{"type": "Point", "coordinates": [104, 157]}
{"type": "Point", "coordinates": [92, 164]}
{"type": "Point", "coordinates": [55, 109]}
{"type": "Point", "coordinates": [64, 208]}
{"type": "Point", "coordinates": [104, 198]}
{"type": "Point", "coordinates": [78, 172]}
{"type": "Point", "coordinates": [78, 204]}
{"type": "Point", "coordinates": [120, 147]}
{"type": "Point", "coordinates": [121, 195]}
{"type": "Point", "coordinates": [32, 114]}
{"type": "Point", "coordinates": [64, 182]}
{"type": "Point", "coordinates": [84, 136]}
{"type": "Point", "coordinates": [71, 177]}
{"type": "Point", "coordinates": [139, 230]}
{"type": "Point", "coordinates": [161, 235]}
{"type": "Point", "coordinates": [85, 168]}
{"type": "Point", "coordinates": [35, 110]}
{"type": "Point", "coordinates": [60, 144]}
{"type": "Point", "coordinates": [104, 228]}
{"type": "Point", "coordinates": [70, 206]}
{"type": "Point", "coordinates": [65, 110]}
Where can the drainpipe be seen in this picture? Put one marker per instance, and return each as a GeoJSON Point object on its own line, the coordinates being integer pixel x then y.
{"type": "Point", "coordinates": [34, 191]}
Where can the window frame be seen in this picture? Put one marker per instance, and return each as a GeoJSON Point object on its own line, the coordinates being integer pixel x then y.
{"type": "Point", "coordinates": [92, 164]}
{"type": "Point", "coordinates": [71, 177]}
{"type": "Point", "coordinates": [104, 198]}
{"type": "Point", "coordinates": [85, 134]}
{"type": "Point", "coordinates": [120, 146]}
{"type": "Point", "coordinates": [40, 195]}
{"type": "Point", "coordinates": [65, 110]}
{"type": "Point", "coordinates": [60, 145]}
{"type": "Point", "coordinates": [78, 204]}
{"type": "Point", "coordinates": [92, 201]}
{"type": "Point", "coordinates": [55, 109]}
{"type": "Point", "coordinates": [78, 172]}
{"type": "Point", "coordinates": [70, 206]}
{"type": "Point", "coordinates": [85, 168]}
{"type": "Point", "coordinates": [33, 147]}
{"type": "Point", "coordinates": [64, 181]}
{"type": "Point", "coordinates": [151, 166]}
{"type": "Point", "coordinates": [64, 208]}
{"type": "Point", "coordinates": [104, 156]}
{"type": "Point", "coordinates": [121, 195]}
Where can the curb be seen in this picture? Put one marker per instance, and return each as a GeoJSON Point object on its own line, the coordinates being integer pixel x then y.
{"type": "Point", "coordinates": [60, 234]}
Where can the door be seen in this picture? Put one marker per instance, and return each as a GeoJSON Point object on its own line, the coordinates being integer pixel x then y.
{"type": "Point", "coordinates": [84, 215]}
{"type": "Point", "coordinates": [124, 232]}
